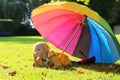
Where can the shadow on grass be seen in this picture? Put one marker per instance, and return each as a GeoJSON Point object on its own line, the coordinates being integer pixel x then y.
{"type": "Point", "coordinates": [24, 39]}
{"type": "Point", "coordinates": [103, 68]}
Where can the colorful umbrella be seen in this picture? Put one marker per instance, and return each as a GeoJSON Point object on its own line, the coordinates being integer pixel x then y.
{"type": "Point", "coordinates": [78, 30]}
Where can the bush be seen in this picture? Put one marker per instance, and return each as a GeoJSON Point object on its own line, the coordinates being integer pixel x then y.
{"type": "Point", "coordinates": [25, 30]}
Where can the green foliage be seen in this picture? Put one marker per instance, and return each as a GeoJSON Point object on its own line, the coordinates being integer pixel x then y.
{"type": "Point", "coordinates": [12, 9]}
{"type": "Point", "coordinates": [16, 10]}
{"type": "Point", "coordinates": [86, 2]}
{"type": "Point", "coordinates": [36, 3]}
{"type": "Point", "coordinates": [16, 55]}
{"type": "Point", "coordinates": [103, 7]}
{"type": "Point", "coordinates": [115, 14]}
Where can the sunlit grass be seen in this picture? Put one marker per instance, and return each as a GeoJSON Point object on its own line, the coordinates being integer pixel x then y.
{"type": "Point", "coordinates": [16, 53]}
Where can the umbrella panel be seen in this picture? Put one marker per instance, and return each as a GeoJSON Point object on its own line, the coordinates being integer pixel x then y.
{"type": "Point", "coordinates": [83, 44]}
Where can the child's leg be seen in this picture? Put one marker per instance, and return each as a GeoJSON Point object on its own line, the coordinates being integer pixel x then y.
{"type": "Point", "coordinates": [88, 60]}
{"type": "Point", "coordinates": [84, 61]}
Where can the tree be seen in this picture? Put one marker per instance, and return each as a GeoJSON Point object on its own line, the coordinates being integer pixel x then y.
{"type": "Point", "coordinates": [12, 9]}
{"type": "Point", "coordinates": [115, 14]}
{"type": "Point", "coordinates": [103, 7]}
{"type": "Point", "coordinates": [20, 11]}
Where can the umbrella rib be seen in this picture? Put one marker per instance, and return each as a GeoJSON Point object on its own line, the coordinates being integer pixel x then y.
{"type": "Point", "coordinates": [81, 23]}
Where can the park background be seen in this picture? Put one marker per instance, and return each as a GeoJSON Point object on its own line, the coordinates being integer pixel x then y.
{"type": "Point", "coordinates": [17, 37]}
{"type": "Point", "coordinates": [15, 14]}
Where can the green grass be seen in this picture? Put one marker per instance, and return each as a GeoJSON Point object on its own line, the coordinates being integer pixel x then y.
{"type": "Point", "coordinates": [16, 54]}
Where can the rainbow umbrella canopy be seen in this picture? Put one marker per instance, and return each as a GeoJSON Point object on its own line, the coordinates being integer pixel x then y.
{"type": "Point", "coordinates": [77, 30]}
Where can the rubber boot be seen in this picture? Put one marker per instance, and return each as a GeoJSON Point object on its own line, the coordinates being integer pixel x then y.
{"type": "Point", "coordinates": [88, 60]}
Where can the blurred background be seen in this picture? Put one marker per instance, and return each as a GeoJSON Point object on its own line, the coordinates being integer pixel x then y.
{"type": "Point", "coordinates": [15, 14]}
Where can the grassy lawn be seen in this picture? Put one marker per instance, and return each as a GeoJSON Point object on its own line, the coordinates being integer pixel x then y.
{"type": "Point", "coordinates": [16, 59]}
